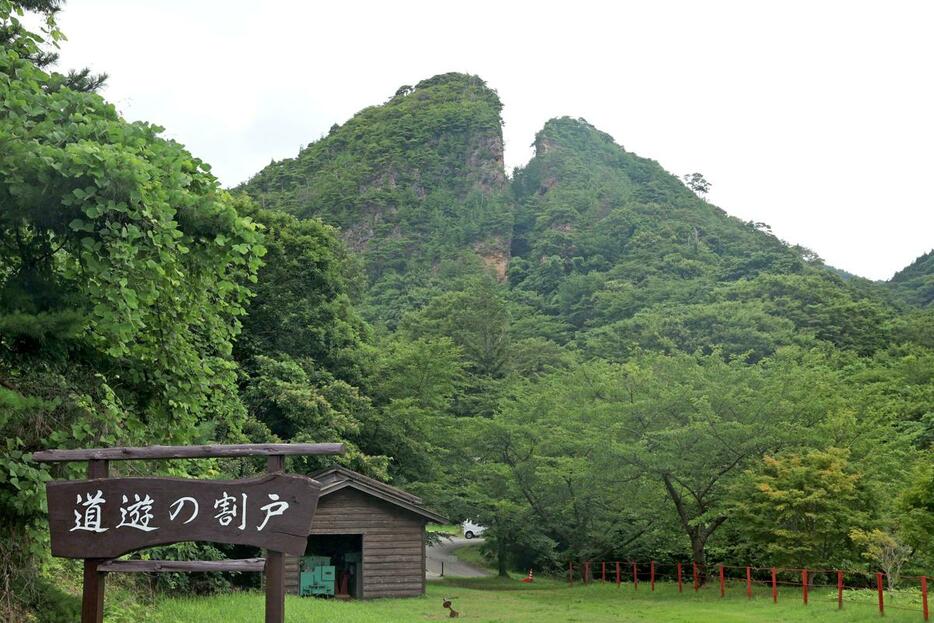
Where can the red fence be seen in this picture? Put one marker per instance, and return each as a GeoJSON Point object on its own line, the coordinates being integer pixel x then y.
{"type": "Point", "coordinates": [772, 579]}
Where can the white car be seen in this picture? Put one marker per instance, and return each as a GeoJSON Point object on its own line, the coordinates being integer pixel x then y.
{"type": "Point", "coordinates": [472, 529]}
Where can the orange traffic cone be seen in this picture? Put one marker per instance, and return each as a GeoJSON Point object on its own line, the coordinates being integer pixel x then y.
{"type": "Point", "coordinates": [529, 579]}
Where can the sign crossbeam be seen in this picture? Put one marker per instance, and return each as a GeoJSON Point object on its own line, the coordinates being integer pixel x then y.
{"type": "Point", "coordinates": [146, 453]}
{"type": "Point", "coordinates": [232, 565]}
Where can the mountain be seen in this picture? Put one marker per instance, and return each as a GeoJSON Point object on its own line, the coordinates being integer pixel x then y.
{"type": "Point", "coordinates": [586, 204]}
{"type": "Point", "coordinates": [411, 184]}
{"type": "Point", "coordinates": [915, 282]}
{"type": "Point", "coordinates": [598, 248]}
{"type": "Point", "coordinates": [633, 259]}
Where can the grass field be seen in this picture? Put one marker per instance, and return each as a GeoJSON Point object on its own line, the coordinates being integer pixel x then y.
{"type": "Point", "coordinates": [495, 600]}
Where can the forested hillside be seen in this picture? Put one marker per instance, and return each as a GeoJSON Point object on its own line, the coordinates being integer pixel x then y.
{"type": "Point", "coordinates": [915, 282]}
{"type": "Point", "coordinates": [631, 258]}
{"type": "Point", "coordinates": [622, 340]}
{"type": "Point", "coordinates": [586, 356]}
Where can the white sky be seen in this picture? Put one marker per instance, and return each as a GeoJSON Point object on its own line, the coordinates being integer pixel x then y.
{"type": "Point", "coordinates": [814, 117]}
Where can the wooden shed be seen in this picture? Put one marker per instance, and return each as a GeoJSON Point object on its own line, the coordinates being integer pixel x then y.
{"type": "Point", "coordinates": [373, 533]}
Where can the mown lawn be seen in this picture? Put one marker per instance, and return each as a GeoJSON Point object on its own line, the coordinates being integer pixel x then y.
{"type": "Point", "coordinates": [494, 600]}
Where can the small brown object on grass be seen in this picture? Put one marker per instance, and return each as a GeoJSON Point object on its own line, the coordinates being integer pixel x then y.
{"type": "Point", "coordinates": [453, 613]}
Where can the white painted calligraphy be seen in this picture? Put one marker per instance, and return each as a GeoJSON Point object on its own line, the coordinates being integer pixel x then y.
{"type": "Point", "coordinates": [177, 506]}
{"type": "Point", "coordinates": [90, 519]}
{"type": "Point", "coordinates": [138, 514]}
{"type": "Point", "coordinates": [228, 510]}
{"type": "Point", "coordinates": [274, 508]}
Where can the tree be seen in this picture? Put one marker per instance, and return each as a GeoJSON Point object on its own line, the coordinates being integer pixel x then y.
{"type": "Point", "coordinates": [413, 384]}
{"type": "Point", "coordinates": [884, 549]}
{"type": "Point", "coordinates": [302, 301]}
{"type": "Point", "coordinates": [693, 423]}
{"type": "Point", "coordinates": [697, 182]}
{"type": "Point", "coordinates": [731, 328]}
{"type": "Point", "coordinates": [14, 36]}
{"type": "Point", "coordinates": [300, 403]}
{"type": "Point", "coordinates": [800, 508]}
{"type": "Point", "coordinates": [122, 280]}
{"type": "Point", "coordinates": [916, 512]}
{"type": "Point", "coordinates": [547, 448]}
{"type": "Point", "coordinates": [476, 319]}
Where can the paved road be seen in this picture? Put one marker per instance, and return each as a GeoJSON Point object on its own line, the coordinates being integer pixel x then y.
{"type": "Point", "coordinates": [444, 551]}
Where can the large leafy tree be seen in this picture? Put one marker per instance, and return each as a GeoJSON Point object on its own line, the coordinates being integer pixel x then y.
{"type": "Point", "coordinates": [414, 384]}
{"type": "Point", "coordinates": [798, 509]}
{"type": "Point", "coordinates": [693, 423]}
{"type": "Point", "coordinates": [916, 512]}
{"type": "Point", "coordinates": [122, 278]}
{"type": "Point", "coordinates": [301, 350]}
{"type": "Point", "coordinates": [477, 320]}
{"type": "Point", "coordinates": [578, 446]}
{"type": "Point", "coordinates": [303, 298]}
{"type": "Point", "coordinates": [542, 471]}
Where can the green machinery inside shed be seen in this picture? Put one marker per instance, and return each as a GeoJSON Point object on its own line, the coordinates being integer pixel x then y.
{"type": "Point", "coordinates": [334, 568]}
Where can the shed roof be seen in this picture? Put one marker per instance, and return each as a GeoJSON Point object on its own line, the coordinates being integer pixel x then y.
{"type": "Point", "coordinates": [336, 478]}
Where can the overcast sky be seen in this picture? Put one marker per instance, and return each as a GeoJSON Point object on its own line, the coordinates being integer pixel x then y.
{"type": "Point", "coordinates": [814, 117]}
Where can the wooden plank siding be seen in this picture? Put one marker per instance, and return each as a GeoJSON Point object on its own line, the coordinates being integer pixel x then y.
{"type": "Point", "coordinates": [393, 542]}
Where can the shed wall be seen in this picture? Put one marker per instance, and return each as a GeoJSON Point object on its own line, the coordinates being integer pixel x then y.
{"type": "Point", "coordinates": [393, 542]}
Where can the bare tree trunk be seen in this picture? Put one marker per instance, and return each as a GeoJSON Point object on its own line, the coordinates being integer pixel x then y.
{"type": "Point", "coordinates": [698, 553]}
{"type": "Point", "coordinates": [697, 533]}
{"type": "Point", "coordinates": [501, 556]}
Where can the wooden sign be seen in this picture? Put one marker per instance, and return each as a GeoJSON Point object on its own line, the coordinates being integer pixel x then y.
{"type": "Point", "coordinates": [101, 518]}
{"type": "Point", "coordinates": [109, 517]}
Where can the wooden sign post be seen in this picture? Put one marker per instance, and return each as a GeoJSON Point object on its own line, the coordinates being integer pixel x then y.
{"type": "Point", "coordinates": [101, 518]}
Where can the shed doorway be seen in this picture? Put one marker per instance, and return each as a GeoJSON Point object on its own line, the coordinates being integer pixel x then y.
{"type": "Point", "coordinates": [345, 554]}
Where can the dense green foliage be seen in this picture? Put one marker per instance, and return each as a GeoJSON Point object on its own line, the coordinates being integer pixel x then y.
{"type": "Point", "coordinates": [641, 345]}
{"type": "Point", "coordinates": [799, 508]}
{"type": "Point", "coordinates": [588, 357]}
{"type": "Point", "coordinates": [123, 272]}
{"type": "Point", "coordinates": [916, 281]}
{"type": "Point", "coordinates": [631, 258]}
{"type": "Point", "coordinates": [412, 183]}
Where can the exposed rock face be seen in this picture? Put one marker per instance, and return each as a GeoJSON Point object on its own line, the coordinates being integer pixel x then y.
{"type": "Point", "coordinates": [486, 163]}
{"type": "Point", "coordinates": [495, 255]}
{"type": "Point", "coordinates": [544, 144]}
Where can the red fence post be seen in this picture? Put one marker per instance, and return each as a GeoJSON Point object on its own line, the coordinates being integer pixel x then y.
{"type": "Point", "coordinates": [635, 577]}
{"type": "Point", "coordinates": [695, 577]}
{"type": "Point", "coordinates": [722, 582]}
{"type": "Point", "coordinates": [603, 571]}
{"type": "Point", "coordinates": [881, 596]}
{"type": "Point", "coordinates": [680, 586]}
{"type": "Point", "coordinates": [652, 575]}
{"type": "Point", "coordinates": [774, 587]}
{"type": "Point", "coordinates": [804, 585]}
{"type": "Point", "coordinates": [618, 579]}
{"type": "Point", "coordinates": [570, 573]}
{"type": "Point", "coordinates": [839, 590]}
{"type": "Point", "coordinates": [586, 572]}
{"type": "Point", "coordinates": [748, 582]}
{"type": "Point", "coordinates": [924, 597]}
